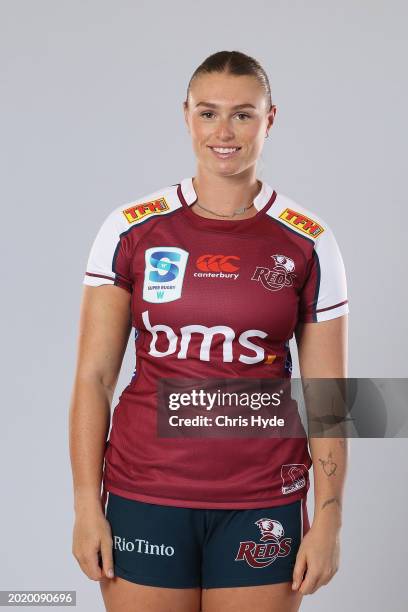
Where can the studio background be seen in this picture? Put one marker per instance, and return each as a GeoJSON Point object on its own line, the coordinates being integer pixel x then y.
{"type": "Point", "coordinates": [91, 117]}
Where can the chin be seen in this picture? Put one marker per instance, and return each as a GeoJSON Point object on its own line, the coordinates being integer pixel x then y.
{"type": "Point", "coordinates": [226, 171]}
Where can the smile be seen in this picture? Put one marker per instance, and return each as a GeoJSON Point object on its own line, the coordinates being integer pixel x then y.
{"type": "Point", "coordinates": [225, 152]}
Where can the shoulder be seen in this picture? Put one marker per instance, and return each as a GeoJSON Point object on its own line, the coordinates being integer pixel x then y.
{"type": "Point", "coordinates": [298, 219]}
{"type": "Point", "coordinates": [145, 207]}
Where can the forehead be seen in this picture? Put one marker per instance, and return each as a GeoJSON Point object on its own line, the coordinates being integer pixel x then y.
{"type": "Point", "coordinates": [226, 89]}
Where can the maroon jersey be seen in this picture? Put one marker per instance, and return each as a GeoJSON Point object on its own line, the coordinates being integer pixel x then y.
{"type": "Point", "coordinates": [212, 298]}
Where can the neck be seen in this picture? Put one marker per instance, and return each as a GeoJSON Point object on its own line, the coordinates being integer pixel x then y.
{"type": "Point", "coordinates": [225, 194]}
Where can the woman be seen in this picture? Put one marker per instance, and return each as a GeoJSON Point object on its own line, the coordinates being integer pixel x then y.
{"type": "Point", "coordinates": [216, 273]}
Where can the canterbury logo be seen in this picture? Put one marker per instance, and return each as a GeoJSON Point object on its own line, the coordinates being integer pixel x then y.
{"type": "Point", "coordinates": [217, 263]}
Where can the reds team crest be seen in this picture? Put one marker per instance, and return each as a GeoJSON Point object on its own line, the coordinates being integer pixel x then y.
{"type": "Point", "coordinates": [276, 278]}
{"type": "Point", "coordinates": [272, 545]}
{"type": "Point", "coordinates": [293, 477]}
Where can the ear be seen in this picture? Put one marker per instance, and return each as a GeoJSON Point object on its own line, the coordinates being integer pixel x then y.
{"type": "Point", "coordinates": [185, 111]}
{"type": "Point", "coordinates": [271, 115]}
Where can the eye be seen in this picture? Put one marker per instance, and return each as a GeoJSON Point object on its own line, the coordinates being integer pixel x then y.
{"type": "Point", "coordinates": [206, 113]}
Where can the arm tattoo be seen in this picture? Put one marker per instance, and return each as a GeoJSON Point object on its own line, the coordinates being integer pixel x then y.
{"type": "Point", "coordinates": [329, 466]}
{"type": "Point", "coordinates": [331, 501]}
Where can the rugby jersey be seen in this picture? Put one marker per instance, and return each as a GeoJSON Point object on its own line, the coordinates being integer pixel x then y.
{"type": "Point", "coordinates": [212, 298]}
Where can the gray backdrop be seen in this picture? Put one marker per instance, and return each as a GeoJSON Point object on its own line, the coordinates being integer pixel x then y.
{"type": "Point", "coordinates": [91, 117]}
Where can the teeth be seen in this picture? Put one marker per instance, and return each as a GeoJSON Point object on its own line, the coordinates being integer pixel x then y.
{"type": "Point", "coordinates": [224, 150]}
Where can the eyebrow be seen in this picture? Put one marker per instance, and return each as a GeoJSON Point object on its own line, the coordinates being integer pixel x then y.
{"type": "Point", "coordinates": [211, 105]}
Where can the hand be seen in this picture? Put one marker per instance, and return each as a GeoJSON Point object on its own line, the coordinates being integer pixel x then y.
{"type": "Point", "coordinates": [318, 554]}
{"type": "Point", "coordinates": [92, 539]}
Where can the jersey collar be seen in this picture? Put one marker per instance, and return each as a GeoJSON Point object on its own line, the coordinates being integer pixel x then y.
{"type": "Point", "coordinates": [190, 196]}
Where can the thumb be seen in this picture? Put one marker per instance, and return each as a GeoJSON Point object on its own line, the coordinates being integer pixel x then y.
{"type": "Point", "coordinates": [107, 558]}
{"type": "Point", "coordinates": [299, 570]}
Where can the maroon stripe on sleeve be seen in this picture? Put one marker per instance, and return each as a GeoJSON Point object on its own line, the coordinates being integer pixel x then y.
{"type": "Point", "coordinates": [331, 307]}
{"type": "Point", "coordinates": [99, 275]}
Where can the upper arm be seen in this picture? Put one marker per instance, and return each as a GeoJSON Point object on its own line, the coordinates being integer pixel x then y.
{"type": "Point", "coordinates": [322, 348]}
{"type": "Point", "coordinates": [321, 333]}
{"type": "Point", "coordinates": [105, 318]}
{"type": "Point", "coordinates": [104, 328]}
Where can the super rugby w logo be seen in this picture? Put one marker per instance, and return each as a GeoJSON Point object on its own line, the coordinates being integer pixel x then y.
{"type": "Point", "coordinates": [164, 273]}
{"type": "Point", "coordinates": [274, 545]}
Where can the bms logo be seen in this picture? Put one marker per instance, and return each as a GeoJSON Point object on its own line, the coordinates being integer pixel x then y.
{"type": "Point", "coordinates": [273, 545]}
{"type": "Point", "coordinates": [164, 274]}
{"type": "Point", "coordinates": [203, 338]}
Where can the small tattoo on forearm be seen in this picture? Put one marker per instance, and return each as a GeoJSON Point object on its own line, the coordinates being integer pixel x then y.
{"type": "Point", "coordinates": [331, 501]}
{"type": "Point", "coordinates": [329, 466]}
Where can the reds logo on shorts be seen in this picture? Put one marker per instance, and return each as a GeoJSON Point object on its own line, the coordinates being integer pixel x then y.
{"type": "Point", "coordinates": [262, 555]}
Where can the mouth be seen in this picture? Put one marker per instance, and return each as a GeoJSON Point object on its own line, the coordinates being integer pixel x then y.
{"type": "Point", "coordinates": [225, 152]}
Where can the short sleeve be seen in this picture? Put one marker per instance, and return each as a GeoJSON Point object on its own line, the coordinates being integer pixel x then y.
{"type": "Point", "coordinates": [109, 260]}
{"type": "Point", "coordinates": [324, 293]}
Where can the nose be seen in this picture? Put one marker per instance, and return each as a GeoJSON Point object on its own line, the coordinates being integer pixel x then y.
{"type": "Point", "coordinates": [224, 130]}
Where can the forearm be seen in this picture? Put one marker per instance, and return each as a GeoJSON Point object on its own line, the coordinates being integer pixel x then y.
{"type": "Point", "coordinates": [330, 457]}
{"type": "Point", "coordinates": [89, 421]}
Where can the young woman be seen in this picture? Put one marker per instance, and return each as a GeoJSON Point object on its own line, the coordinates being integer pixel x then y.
{"type": "Point", "coordinates": [216, 273]}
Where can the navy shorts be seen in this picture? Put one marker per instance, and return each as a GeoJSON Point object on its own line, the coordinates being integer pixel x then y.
{"type": "Point", "coordinates": [169, 546]}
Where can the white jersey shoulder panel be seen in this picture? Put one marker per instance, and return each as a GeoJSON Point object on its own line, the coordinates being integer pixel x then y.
{"type": "Point", "coordinates": [327, 270]}
{"type": "Point", "coordinates": [104, 253]}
